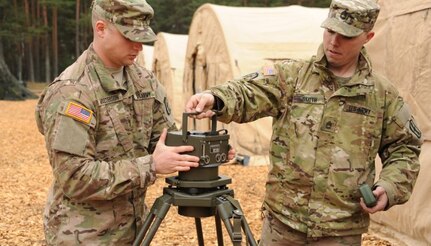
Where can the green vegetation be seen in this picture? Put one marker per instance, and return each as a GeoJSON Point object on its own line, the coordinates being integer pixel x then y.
{"type": "Point", "coordinates": [39, 38]}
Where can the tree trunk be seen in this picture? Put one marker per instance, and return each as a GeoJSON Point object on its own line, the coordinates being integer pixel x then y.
{"type": "Point", "coordinates": [19, 47]}
{"type": "Point", "coordinates": [10, 88]}
{"type": "Point", "coordinates": [29, 42]}
{"type": "Point", "coordinates": [37, 42]}
{"type": "Point", "coordinates": [46, 46]}
{"type": "Point", "coordinates": [77, 50]}
{"type": "Point", "coordinates": [55, 40]}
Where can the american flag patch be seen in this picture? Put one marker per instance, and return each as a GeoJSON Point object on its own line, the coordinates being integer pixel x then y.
{"type": "Point", "coordinates": [268, 70]}
{"type": "Point", "coordinates": [78, 112]}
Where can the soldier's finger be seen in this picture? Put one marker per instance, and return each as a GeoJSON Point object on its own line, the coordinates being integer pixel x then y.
{"type": "Point", "coordinates": [191, 159]}
{"type": "Point", "coordinates": [364, 207]}
{"type": "Point", "coordinates": [162, 138]}
{"type": "Point", "coordinates": [191, 104]}
{"type": "Point", "coordinates": [182, 168]}
{"type": "Point", "coordinates": [183, 148]}
{"type": "Point", "coordinates": [201, 104]}
{"type": "Point", "coordinates": [209, 113]}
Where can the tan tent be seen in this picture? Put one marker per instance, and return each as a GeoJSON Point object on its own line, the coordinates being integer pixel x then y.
{"type": "Point", "coordinates": [401, 50]}
{"type": "Point", "coordinates": [145, 57]}
{"type": "Point", "coordinates": [168, 64]}
{"type": "Point", "coordinates": [227, 42]}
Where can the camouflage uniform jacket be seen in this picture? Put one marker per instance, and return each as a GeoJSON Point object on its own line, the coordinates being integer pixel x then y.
{"type": "Point", "coordinates": [325, 141]}
{"type": "Point", "coordinates": [99, 153]}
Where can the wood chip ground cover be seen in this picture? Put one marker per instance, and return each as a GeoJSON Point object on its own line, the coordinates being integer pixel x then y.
{"type": "Point", "coordinates": [25, 176]}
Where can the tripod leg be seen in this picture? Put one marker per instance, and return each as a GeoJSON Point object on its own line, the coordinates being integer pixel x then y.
{"type": "Point", "coordinates": [244, 224]}
{"type": "Point", "coordinates": [144, 229]}
{"type": "Point", "coordinates": [247, 232]}
{"type": "Point", "coordinates": [219, 230]}
{"type": "Point", "coordinates": [229, 208]}
{"type": "Point", "coordinates": [225, 211]}
{"type": "Point", "coordinates": [199, 233]}
{"type": "Point", "coordinates": [157, 213]}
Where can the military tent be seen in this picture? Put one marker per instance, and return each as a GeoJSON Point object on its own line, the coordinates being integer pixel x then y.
{"type": "Point", "coordinates": [228, 42]}
{"type": "Point", "coordinates": [145, 57]}
{"type": "Point", "coordinates": [168, 65]}
{"type": "Point", "coordinates": [401, 50]}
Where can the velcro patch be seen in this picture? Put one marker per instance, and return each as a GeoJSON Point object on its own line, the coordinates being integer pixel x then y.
{"type": "Point", "coordinates": [356, 109]}
{"type": "Point", "coordinates": [250, 76]}
{"type": "Point", "coordinates": [141, 95]}
{"type": "Point", "coordinates": [308, 99]}
{"type": "Point", "coordinates": [329, 124]}
{"type": "Point", "coordinates": [110, 99]}
{"type": "Point", "coordinates": [78, 112]}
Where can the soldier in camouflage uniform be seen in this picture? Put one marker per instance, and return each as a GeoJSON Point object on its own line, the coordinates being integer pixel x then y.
{"type": "Point", "coordinates": [331, 116]}
{"type": "Point", "coordinates": [104, 120]}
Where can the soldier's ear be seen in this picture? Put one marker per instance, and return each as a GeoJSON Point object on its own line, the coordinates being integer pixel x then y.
{"type": "Point", "coordinates": [99, 28]}
{"type": "Point", "coordinates": [370, 36]}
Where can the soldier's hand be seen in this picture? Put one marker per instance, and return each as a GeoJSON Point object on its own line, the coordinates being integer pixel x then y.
{"type": "Point", "coordinates": [382, 201]}
{"type": "Point", "coordinates": [201, 102]}
{"type": "Point", "coordinates": [231, 154]}
{"type": "Point", "coordinates": [168, 159]}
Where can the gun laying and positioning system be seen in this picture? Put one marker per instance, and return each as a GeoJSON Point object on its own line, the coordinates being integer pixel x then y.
{"type": "Point", "coordinates": [200, 192]}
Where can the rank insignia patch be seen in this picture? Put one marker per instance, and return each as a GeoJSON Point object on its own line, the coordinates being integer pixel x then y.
{"type": "Point", "coordinates": [414, 129]}
{"type": "Point", "coordinates": [78, 112]}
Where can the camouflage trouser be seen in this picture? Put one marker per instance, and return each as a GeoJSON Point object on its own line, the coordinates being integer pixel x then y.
{"type": "Point", "coordinates": [275, 233]}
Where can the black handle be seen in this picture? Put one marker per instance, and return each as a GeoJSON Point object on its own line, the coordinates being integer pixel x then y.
{"type": "Point", "coordinates": [185, 120]}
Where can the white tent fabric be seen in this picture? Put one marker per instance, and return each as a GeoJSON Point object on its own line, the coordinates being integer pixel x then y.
{"type": "Point", "coordinates": [168, 65]}
{"type": "Point", "coordinates": [401, 50]}
{"type": "Point", "coordinates": [228, 42]}
{"type": "Point", "coordinates": [145, 57]}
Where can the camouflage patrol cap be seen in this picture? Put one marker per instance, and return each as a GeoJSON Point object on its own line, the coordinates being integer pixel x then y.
{"type": "Point", "coordinates": [351, 17]}
{"type": "Point", "coordinates": [130, 17]}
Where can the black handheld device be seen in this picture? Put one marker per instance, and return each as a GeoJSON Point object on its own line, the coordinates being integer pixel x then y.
{"type": "Point", "coordinates": [211, 147]}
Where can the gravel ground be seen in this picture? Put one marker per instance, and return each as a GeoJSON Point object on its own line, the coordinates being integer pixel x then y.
{"type": "Point", "coordinates": [25, 176]}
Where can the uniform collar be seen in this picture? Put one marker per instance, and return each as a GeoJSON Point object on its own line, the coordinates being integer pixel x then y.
{"type": "Point", "coordinates": [103, 74]}
{"type": "Point", "coordinates": [360, 77]}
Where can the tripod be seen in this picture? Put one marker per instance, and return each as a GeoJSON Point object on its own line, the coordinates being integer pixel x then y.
{"type": "Point", "coordinates": [199, 199]}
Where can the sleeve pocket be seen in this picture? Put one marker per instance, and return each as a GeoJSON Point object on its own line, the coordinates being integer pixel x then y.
{"type": "Point", "coordinates": [70, 136]}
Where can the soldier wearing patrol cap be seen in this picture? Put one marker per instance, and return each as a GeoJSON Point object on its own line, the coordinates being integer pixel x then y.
{"type": "Point", "coordinates": [104, 120]}
{"type": "Point", "coordinates": [352, 18]}
{"type": "Point", "coordinates": [332, 115]}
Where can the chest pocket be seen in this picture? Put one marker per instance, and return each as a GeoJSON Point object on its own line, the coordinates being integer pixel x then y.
{"type": "Point", "coordinates": [305, 114]}
{"type": "Point", "coordinates": [122, 128]}
{"type": "Point", "coordinates": [125, 126]}
{"type": "Point", "coordinates": [143, 105]}
{"type": "Point", "coordinates": [358, 133]}
{"type": "Point", "coordinates": [115, 126]}
{"type": "Point", "coordinates": [303, 125]}
{"type": "Point", "coordinates": [144, 112]}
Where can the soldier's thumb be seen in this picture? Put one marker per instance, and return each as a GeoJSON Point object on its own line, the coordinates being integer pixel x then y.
{"type": "Point", "coordinates": [162, 138]}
